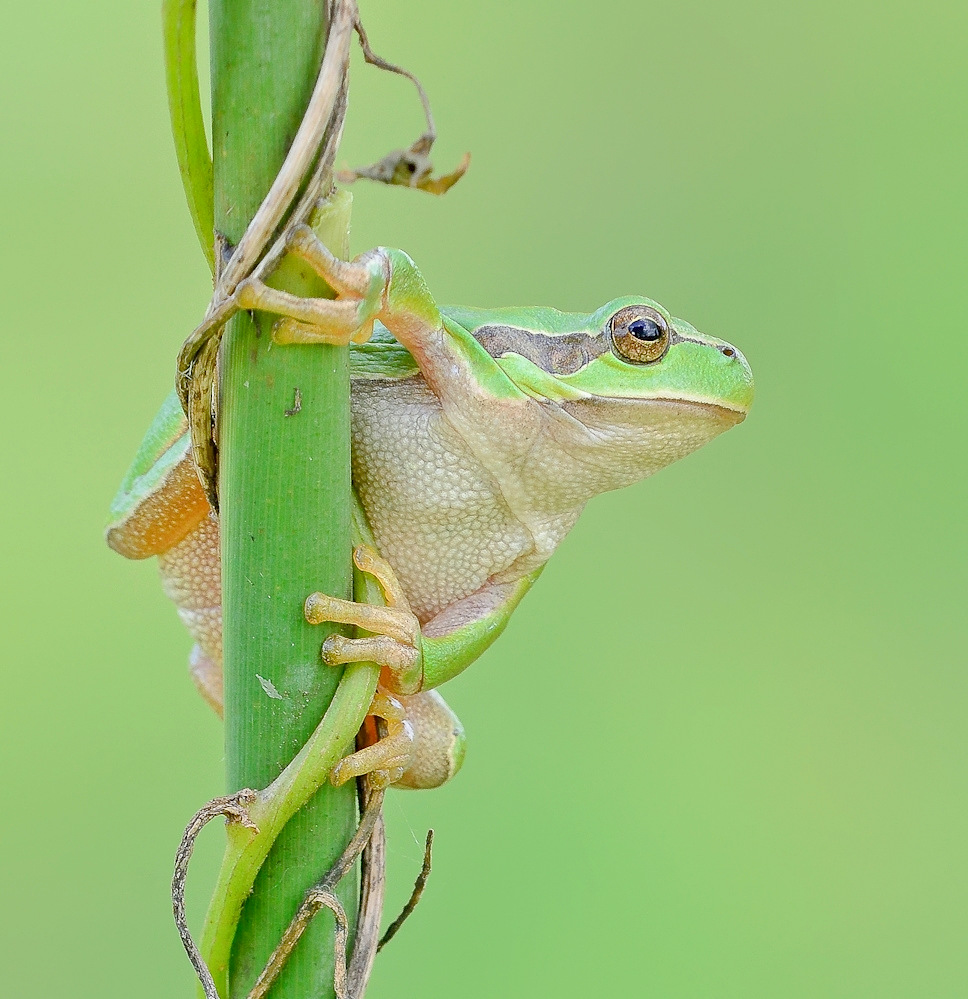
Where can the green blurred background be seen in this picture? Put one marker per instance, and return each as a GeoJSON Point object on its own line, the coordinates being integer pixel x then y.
{"type": "Point", "coordinates": [721, 750]}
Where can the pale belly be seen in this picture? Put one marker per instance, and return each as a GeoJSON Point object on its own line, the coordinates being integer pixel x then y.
{"type": "Point", "coordinates": [437, 514]}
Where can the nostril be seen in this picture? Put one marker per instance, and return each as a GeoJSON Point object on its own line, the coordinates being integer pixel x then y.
{"type": "Point", "coordinates": [728, 351]}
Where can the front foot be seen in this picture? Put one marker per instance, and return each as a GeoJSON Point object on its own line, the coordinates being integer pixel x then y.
{"type": "Point", "coordinates": [395, 644]}
{"type": "Point", "coordinates": [422, 745]}
{"type": "Point", "coordinates": [360, 286]}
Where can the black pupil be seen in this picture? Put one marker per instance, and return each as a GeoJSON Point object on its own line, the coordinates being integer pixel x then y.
{"type": "Point", "coordinates": [645, 329]}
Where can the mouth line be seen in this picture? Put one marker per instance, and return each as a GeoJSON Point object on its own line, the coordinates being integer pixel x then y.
{"type": "Point", "coordinates": [725, 410]}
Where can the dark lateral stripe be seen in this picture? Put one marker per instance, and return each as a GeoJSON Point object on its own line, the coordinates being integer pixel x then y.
{"type": "Point", "coordinates": [558, 354]}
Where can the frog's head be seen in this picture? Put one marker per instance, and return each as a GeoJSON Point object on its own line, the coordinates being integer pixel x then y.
{"type": "Point", "coordinates": [648, 388]}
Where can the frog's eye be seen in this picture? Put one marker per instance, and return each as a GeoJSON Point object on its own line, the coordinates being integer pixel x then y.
{"type": "Point", "coordinates": [640, 334]}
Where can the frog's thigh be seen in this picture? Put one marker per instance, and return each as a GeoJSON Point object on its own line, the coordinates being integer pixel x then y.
{"type": "Point", "coordinates": [439, 742]}
{"type": "Point", "coordinates": [207, 674]}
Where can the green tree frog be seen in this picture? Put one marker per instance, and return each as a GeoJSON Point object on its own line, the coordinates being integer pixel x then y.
{"type": "Point", "coordinates": [478, 435]}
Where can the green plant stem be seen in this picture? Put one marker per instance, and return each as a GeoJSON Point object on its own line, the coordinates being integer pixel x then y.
{"type": "Point", "coordinates": [245, 850]}
{"type": "Point", "coordinates": [285, 514]}
{"type": "Point", "coordinates": [187, 124]}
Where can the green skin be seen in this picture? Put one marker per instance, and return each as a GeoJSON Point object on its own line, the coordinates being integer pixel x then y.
{"type": "Point", "coordinates": [478, 437]}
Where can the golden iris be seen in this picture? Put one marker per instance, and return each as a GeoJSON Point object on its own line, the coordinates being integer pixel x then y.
{"type": "Point", "coordinates": [640, 334]}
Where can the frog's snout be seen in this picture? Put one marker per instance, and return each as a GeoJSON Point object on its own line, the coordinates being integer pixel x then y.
{"type": "Point", "coordinates": [740, 391]}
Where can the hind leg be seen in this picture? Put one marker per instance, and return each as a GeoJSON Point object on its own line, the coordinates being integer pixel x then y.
{"type": "Point", "coordinates": [207, 675]}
